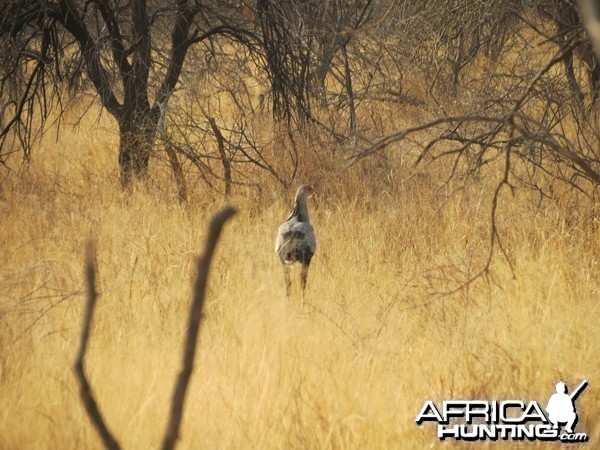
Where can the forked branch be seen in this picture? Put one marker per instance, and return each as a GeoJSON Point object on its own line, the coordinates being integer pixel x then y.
{"type": "Point", "coordinates": [172, 431]}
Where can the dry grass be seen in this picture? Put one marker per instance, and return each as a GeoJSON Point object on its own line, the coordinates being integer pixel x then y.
{"type": "Point", "coordinates": [352, 370]}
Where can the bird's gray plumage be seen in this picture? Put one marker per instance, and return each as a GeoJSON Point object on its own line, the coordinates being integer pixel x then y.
{"type": "Point", "coordinates": [296, 238]}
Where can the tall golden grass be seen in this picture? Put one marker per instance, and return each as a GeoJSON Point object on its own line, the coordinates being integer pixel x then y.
{"type": "Point", "coordinates": [376, 338]}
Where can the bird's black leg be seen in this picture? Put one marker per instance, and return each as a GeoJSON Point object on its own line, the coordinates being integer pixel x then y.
{"type": "Point", "coordinates": [288, 281]}
{"type": "Point", "coordinates": [304, 275]}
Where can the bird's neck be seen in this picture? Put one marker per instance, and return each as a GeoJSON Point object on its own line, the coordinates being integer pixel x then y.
{"type": "Point", "coordinates": [300, 211]}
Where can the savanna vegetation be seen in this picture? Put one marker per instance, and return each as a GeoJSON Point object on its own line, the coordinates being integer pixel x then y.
{"type": "Point", "coordinates": [454, 149]}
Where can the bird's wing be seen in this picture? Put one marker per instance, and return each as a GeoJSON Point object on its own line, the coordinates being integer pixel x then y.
{"type": "Point", "coordinates": [309, 232]}
{"type": "Point", "coordinates": [283, 230]}
{"type": "Point", "coordinates": [296, 230]}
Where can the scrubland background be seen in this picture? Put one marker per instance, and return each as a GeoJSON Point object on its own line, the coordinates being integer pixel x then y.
{"type": "Point", "coordinates": [376, 338]}
{"type": "Point", "coordinates": [394, 314]}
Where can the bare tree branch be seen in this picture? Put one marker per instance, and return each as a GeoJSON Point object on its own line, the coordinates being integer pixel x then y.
{"type": "Point", "coordinates": [224, 159]}
{"type": "Point", "coordinates": [85, 389]}
{"type": "Point", "coordinates": [172, 432]}
{"type": "Point", "coordinates": [66, 13]}
{"type": "Point", "coordinates": [216, 225]}
{"type": "Point", "coordinates": [503, 121]}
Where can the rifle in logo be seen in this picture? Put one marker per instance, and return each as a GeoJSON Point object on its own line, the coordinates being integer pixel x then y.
{"type": "Point", "coordinates": [578, 390]}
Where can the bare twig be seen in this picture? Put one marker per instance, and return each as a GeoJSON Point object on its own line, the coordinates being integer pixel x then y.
{"type": "Point", "coordinates": [349, 93]}
{"type": "Point", "coordinates": [195, 317]}
{"type": "Point", "coordinates": [177, 172]}
{"type": "Point", "coordinates": [172, 154]}
{"type": "Point", "coordinates": [224, 160]}
{"type": "Point", "coordinates": [85, 390]}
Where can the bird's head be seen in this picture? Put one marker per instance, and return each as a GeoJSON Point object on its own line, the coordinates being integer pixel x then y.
{"type": "Point", "coordinates": [306, 191]}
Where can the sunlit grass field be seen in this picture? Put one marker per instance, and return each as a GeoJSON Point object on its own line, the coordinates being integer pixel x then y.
{"type": "Point", "coordinates": [378, 335]}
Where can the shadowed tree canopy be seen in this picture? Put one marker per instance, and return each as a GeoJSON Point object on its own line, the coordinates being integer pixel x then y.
{"type": "Point", "coordinates": [497, 60]}
{"type": "Point", "coordinates": [131, 52]}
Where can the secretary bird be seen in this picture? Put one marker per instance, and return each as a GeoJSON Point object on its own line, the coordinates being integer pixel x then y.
{"type": "Point", "coordinates": [296, 238]}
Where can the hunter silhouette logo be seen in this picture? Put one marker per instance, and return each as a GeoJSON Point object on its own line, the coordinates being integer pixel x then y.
{"type": "Point", "coordinates": [472, 420]}
{"type": "Point", "coordinates": [561, 406]}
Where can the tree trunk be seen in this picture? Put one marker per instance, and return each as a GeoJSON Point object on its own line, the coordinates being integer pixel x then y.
{"type": "Point", "coordinates": [134, 152]}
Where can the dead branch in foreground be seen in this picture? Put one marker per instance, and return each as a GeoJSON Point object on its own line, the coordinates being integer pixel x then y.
{"type": "Point", "coordinates": [216, 225]}
{"type": "Point", "coordinates": [195, 317]}
{"type": "Point", "coordinates": [85, 390]}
